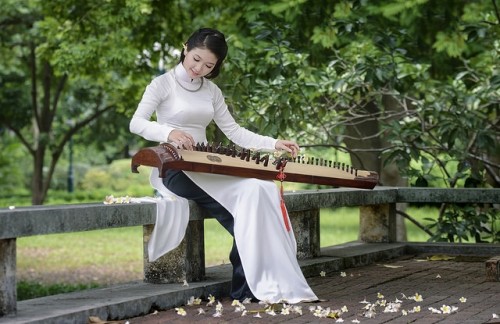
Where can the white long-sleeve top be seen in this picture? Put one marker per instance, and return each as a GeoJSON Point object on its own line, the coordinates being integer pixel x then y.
{"type": "Point", "coordinates": [192, 112]}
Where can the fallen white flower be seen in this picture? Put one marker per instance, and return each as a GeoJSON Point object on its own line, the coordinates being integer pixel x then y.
{"type": "Point", "coordinates": [445, 309]}
{"type": "Point", "coordinates": [271, 312]}
{"type": "Point", "coordinates": [211, 300]}
{"type": "Point", "coordinates": [297, 310]}
{"type": "Point", "coordinates": [109, 200]}
{"type": "Point", "coordinates": [193, 301]}
{"type": "Point", "coordinates": [392, 308]}
{"type": "Point", "coordinates": [370, 313]}
{"type": "Point", "coordinates": [368, 306]}
{"type": "Point", "coordinates": [417, 297]}
{"type": "Point", "coordinates": [219, 307]}
{"type": "Point", "coordinates": [180, 311]}
{"type": "Point", "coordinates": [434, 310]}
{"type": "Point", "coordinates": [247, 301]}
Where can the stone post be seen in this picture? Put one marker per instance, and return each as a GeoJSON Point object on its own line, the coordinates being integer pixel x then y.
{"type": "Point", "coordinates": [8, 294]}
{"type": "Point", "coordinates": [305, 225]}
{"type": "Point", "coordinates": [493, 269]}
{"type": "Point", "coordinates": [186, 262]}
{"type": "Point", "coordinates": [377, 223]}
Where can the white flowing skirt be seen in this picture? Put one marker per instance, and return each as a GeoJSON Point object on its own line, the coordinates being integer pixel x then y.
{"type": "Point", "coordinates": [267, 250]}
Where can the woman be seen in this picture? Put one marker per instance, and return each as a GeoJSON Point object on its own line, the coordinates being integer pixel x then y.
{"type": "Point", "coordinates": [185, 102]}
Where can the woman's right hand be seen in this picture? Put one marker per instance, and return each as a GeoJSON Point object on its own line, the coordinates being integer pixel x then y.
{"type": "Point", "coordinates": [181, 139]}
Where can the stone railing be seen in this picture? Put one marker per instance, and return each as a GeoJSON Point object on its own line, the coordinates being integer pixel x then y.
{"type": "Point", "coordinates": [187, 262]}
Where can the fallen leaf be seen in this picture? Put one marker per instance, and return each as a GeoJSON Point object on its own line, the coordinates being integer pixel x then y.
{"type": "Point", "coordinates": [441, 257]}
{"type": "Point", "coordinates": [390, 266]}
{"type": "Point", "coordinates": [97, 320]}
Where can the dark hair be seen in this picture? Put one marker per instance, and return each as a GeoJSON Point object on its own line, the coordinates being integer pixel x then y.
{"type": "Point", "coordinates": [210, 39]}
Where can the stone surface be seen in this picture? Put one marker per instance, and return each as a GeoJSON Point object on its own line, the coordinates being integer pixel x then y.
{"type": "Point", "coordinates": [493, 269]}
{"type": "Point", "coordinates": [184, 263]}
{"type": "Point", "coordinates": [377, 223]}
{"type": "Point", "coordinates": [8, 293]}
{"type": "Point", "coordinates": [400, 281]}
{"type": "Point", "coordinates": [439, 283]}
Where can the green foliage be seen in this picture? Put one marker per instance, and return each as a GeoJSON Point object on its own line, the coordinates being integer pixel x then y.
{"type": "Point", "coordinates": [459, 223]}
{"type": "Point", "coordinates": [66, 64]}
{"type": "Point", "coordinates": [13, 166]}
{"type": "Point", "coordinates": [118, 180]}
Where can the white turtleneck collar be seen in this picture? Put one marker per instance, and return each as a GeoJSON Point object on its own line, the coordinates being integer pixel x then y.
{"type": "Point", "coordinates": [182, 76]}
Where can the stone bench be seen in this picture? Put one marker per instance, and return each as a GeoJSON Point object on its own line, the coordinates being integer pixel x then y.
{"type": "Point", "coordinates": [187, 262]}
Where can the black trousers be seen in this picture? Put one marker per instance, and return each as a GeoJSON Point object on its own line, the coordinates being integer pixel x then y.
{"type": "Point", "coordinates": [180, 184]}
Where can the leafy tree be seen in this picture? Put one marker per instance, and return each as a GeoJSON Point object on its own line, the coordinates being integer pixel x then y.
{"type": "Point", "coordinates": [65, 65]}
{"type": "Point", "coordinates": [350, 73]}
{"type": "Point", "coordinates": [408, 86]}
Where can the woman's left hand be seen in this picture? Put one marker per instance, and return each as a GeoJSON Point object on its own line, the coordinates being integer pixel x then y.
{"type": "Point", "coordinates": [289, 146]}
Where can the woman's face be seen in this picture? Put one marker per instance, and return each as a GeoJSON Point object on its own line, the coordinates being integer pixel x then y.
{"type": "Point", "coordinates": [198, 62]}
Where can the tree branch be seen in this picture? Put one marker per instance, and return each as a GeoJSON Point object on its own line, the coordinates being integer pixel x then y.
{"type": "Point", "coordinates": [21, 138]}
{"type": "Point", "coordinates": [414, 221]}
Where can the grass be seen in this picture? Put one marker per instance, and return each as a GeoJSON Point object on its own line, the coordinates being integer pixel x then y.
{"type": "Point", "coordinates": [58, 263]}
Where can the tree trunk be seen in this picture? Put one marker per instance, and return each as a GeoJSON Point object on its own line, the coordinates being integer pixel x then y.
{"type": "Point", "coordinates": [37, 191]}
{"type": "Point", "coordinates": [366, 146]}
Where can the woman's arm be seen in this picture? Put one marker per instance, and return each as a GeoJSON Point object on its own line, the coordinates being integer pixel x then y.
{"type": "Point", "coordinates": [141, 123]}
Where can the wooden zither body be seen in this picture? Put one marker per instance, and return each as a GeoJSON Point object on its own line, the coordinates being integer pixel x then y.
{"type": "Point", "coordinates": [244, 163]}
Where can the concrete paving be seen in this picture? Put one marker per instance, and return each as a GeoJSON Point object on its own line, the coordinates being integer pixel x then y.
{"type": "Point", "coordinates": [358, 283]}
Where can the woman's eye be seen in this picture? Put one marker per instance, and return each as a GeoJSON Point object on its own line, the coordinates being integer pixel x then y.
{"type": "Point", "coordinates": [196, 59]}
